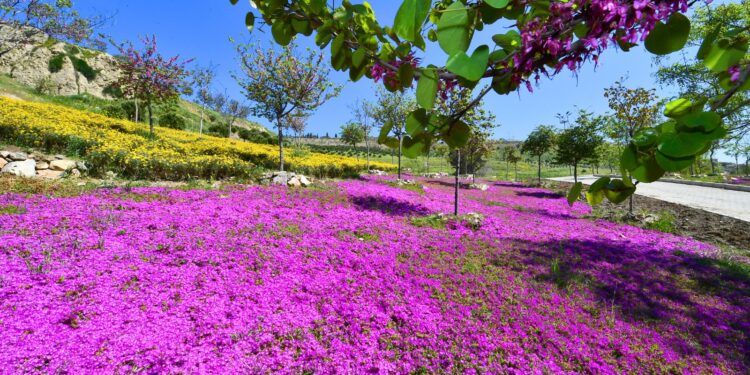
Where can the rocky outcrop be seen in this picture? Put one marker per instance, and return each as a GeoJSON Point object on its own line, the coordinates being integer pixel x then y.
{"type": "Point", "coordinates": [285, 178]}
{"type": "Point", "coordinates": [48, 65]}
{"type": "Point", "coordinates": [37, 165]}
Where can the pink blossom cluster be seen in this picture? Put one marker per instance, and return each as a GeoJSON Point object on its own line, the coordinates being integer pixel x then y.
{"type": "Point", "coordinates": [341, 280]}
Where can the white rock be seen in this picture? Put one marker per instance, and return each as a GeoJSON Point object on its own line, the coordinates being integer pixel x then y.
{"type": "Point", "coordinates": [74, 173]}
{"type": "Point", "coordinates": [294, 181]}
{"type": "Point", "coordinates": [3, 162]}
{"type": "Point", "coordinates": [49, 174]}
{"type": "Point", "coordinates": [4, 154]}
{"type": "Point", "coordinates": [42, 165]}
{"type": "Point", "coordinates": [304, 181]}
{"type": "Point", "coordinates": [26, 168]}
{"type": "Point", "coordinates": [62, 165]}
{"type": "Point", "coordinates": [18, 156]}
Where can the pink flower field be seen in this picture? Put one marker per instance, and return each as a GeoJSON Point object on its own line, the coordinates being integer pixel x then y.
{"type": "Point", "coordinates": [347, 279]}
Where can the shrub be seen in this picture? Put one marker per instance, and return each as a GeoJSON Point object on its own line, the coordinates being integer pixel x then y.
{"type": "Point", "coordinates": [81, 66]}
{"type": "Point", "coordinates": [172, 120]}
{"type": "Point", "coordinates": [113, 90]}
{"type": "Point", "coordinates": [219, 130]}
{"type": "Point", "coordinates": [56, 63]}
{"type": "Point", "coordinates": [45, 86]}
{"type": "Point", "coordinates": [116, 110]}
{"type": "Point", "coordinates": [257, 136]}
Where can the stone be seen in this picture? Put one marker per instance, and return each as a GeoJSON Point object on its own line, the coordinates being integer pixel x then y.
{"type": "Point", "coordinates": [42, 165]}
{"type": "Point", "coordinates": [4, 154]}
{"type": "Point", "coordinates": [26, 168]}
{"type": "Point", "coordinates": [294, 182]}
{"type": "Point", "coordinates": [81, 166]}
{"type": "Point", "coordinates": [3, 162]}
{"type": "Point", "coordinates": [110, 175]}
{"type": "Point", "coordinates": [304, 181]}
{"type": "Point", "coordinates": [17, 156]}
{"type": "Point", "coordinates": [62, 165]}
{"type": "Point", "coordinates": [281, 177]}
{"type": "Point", "coordinates": [482, 187]}
{"type": "Point", "coordinates": [59, 157]}
{"type": "Point", "coordinates": [74, 173]}
{"type": "Point", "coordinates": [49, 174]}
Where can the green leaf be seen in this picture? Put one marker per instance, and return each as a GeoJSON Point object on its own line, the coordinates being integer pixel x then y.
{"type": "Point", "coordinates": [707, 43]}
{"type": "Point", "coordinates": [406, 74]}
{"type": "Point", "coordinates": [508, 41]}
{"type": "Point", "coordinates": [427, 88]}
{"type": "Point", "coordinates": [575, 193]}
{"type": "Point", "coordinates": [648, 170]}
{"type": "Point", "coordinates": [678, 108]}
{"type": "Point", "coordinates": [670, 37]}
{"type": "Point", "coordinates": [302, 27]}
{"type": "Point", "coordinates": [414, 147]}
{"type": "Point", "coordinates": [618, 191]}
{"type": "Point", "coordinates": [410, 17]}
{"type": "Point", "coordinates": [629, 158]}
{"type": "Point", "coordinates": [384, 132]}
{"type": "Point", "coordinates": [682, 145]}
{"type": "Point", "coordinates": [416, 122]}
{"type": "Point", "coordinates": [453, 30]}
{"type": "Point", "coordinates": [704, 121]}
{"type": "Point", "coordinates": [457, 135]}
{"type": "Point", "coordinates": [281, 32]}
{"type": "Point", "coordinates": [497, 4]}
{"type": "Point", "coordinates": [359, 57]}
{"type": "Point", "coordinates": [673, 164]}
{"type": "Point", "coordinates": [250, 21]}
{"type": "Point", "coordinates": [472, 68]}
{"type": "Point", "coordinates": [234, 2]}
{"type": "Point", "coordinates": [599, 184]}
{"type": "Point", "coordinates": [723, 54]}
{"type": "Point", "coordinates": [594, 198]}
{"type": "Point", "coordinates": [645, 137]}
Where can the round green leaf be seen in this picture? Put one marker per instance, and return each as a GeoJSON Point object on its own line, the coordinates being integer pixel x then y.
{"type": "Point", "coordinates": [416, 121]}
{"type": "Point", "coordinates": [645, 137]}
{"type": "Point", "coordinates": [497, 4]}
{"type": "Point", "coordinates": [427, 88]}
{"type": "Point", "coordinates": [618, 191]}
{"type": "Point", "coordinates": [678, 108]}
{"type": "Point", "coordinates": [575, 193]}
{"type": "Point", "coordinates": [682, 145]}
{"type": "Point", "coordinates": [723, 54]}
{"type": "Point", "coordinates": [250, 21]}
{"type": "Point", "coordinates": [508, 41]}
{"type": "Point", "coordinates": [453, 30]}
{"type": "Point", "coordinates": [457, 135]}
{"type": "Point", "coordinates": [673, 164]}
{"type": "Point", "coordinates": [669, 37]}
{"type": "Point", "coordinates": [704, 121]}
{"type": "Point", "coordinates": [629, 158]}
{"type": "Point", "coordinates": [281, 32]}
{"type": "Point", "coordinates": [410, 17]}
{"type": "Point", "coordinates": [648, 170]}
{"type": "Point", "coordinates": [472, 68]}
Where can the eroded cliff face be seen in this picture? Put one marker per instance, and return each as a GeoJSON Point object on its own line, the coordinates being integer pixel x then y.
{"type": "Point", "coordinates": [59, 68]}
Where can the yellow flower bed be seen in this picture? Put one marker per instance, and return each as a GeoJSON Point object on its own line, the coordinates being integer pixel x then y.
{"type": "Point", "coordinates": [125, 147]}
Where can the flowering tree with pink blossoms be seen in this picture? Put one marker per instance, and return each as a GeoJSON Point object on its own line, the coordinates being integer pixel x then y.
{"type": "Point", "coordinates": [149, 77]}
{"type": "Point", "coordinates": [544, 38]}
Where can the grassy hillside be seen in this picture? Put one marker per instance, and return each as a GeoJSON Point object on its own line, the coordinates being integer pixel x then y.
{"type": "Point", "coordinates": [189, 111]}
{"type": "Point", "coordinates": [128, 149]}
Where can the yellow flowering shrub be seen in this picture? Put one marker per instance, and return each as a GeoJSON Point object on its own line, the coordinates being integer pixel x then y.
{"type": "Point", "coordinates": [125, 147]}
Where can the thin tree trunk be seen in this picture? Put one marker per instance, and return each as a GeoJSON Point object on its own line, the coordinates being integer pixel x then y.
{"type": "Point", "coordinates": [399, 156]}
{"type": "Point", "coordinates": [631, 205]}
{"type": "Point", "coordinates": [539, 169]}
{"type": "Point", "coordinates": [281, 145]}
{"type": "Point", "coordinates": [136, 110]}
{"type": "Point", "coordinates": [507, 170]}
{"type": "Point", "coordinates": [367, 152]}
{"type": "Point", "coordinates": [575, 172]}
{"type": "Point", "coordinates": [458, 169]}
{"type": "Point", "coordinates": [713, 168]}
{"type": "Point", "coordinates": [150, 120]}
{"type": "Point", "coordinates": [515, 167]}
{"type": "Point", "coordinates": [200, 130]}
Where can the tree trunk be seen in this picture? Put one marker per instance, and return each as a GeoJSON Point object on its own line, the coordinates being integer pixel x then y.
{"type": "Point", "coordinates": [507, 170]}
{"type": "Point", "coordinates": [713, 168]}
{"type": "Point", "coordinates": [515, 168]}
{"type": "Point", "coordinates": [455, 197]}
{"type": "Point", "coordinates": [200, 130]}
{"type": "Point", "coordinates": [281, 145]}
{"type": "Point", "coordinates": [575, 172]}
{"type": "Point", "coordinates": [399, 156]}
{"type": "Point", "coordinates": [150, 120]}
{"type": "Point", "coordinates": [367, 152]}
{"type": "Point", "coordinates": [539, 169]}
{"type": "Point", "coordinates": [136, 110]}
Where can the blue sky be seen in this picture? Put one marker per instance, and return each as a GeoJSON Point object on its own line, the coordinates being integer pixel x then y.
{"type": "Point", "coordinates": [195, 29]}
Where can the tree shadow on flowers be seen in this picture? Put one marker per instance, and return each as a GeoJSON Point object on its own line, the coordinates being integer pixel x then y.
{"type": "Point", "coordinates": [389, 206]}
{"type": "Point", "coordinates": [701, 304]}
{"type": "Point", "coordinates": [539, 194]}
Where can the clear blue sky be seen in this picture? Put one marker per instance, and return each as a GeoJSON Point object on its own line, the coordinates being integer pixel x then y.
{"type": "Point", "coordinates": [201, 29]}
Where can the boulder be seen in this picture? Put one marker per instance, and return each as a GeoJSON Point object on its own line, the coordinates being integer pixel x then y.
{"type": "Point", "coordinates": [482, 187]}
{"type": "Point", "coordinates": [281, 177]}
{"type": "Point", "coordinates": [62, 165]}
{"type": "Point", "coordinates": [74, 173]}
{"type": "Point", "coordinates": [49, 174]}
{"type": "Point", "coordinates": [4, 154]}
{"type": "Point", "coordinates": [294, 181]}
{"type": "Point", "coordinates": [26, 168]}
{"type": "Point", "coordinates": [81, 166]}
{"type": "Point", "coordinates": [59, 157]}
{"type": "Point", "coordinates": [304, 181]}
{"type": "Point", "coordinates": [17, 156]}
{"type": "Point", "coordinates": [3, 162]}
{"type": "Point", "coordinates": [42, 165]}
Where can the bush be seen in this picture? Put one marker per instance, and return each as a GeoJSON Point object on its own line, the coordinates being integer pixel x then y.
{"type": "Point", "coordinates": [116, 110]}
{"type": "Point", "coordinates": [112, 90]}
{"type": "Point", "coordinates": [45, 86]}
{"type": "Point", "coordinates": [172, 120]}
{"type": "Point", "coordinates": [56, 63]}
{"type": "Point", "coordinates": [219, 130]}
{"type": "Point", "coordinates": [257, 136]}
{"type": "Point", "coordinates": [81, 66]}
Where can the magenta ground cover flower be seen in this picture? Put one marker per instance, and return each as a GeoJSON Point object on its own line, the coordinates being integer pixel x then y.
{"type": "Point", "coordinates": [260, 280]}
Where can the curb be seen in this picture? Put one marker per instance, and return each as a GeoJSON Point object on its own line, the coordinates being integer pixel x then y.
{"type": "Point", "coordinates": [698, 183]}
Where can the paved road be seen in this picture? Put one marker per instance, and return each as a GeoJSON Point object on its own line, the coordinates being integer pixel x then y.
{"type": "Point", "coordinates": [731, 203]}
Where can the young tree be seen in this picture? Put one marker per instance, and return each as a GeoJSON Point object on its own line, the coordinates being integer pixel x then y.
{"type": "Point", "coordinates": [230, 109]}
{"type": "Point", "coordinates": [202, 78]}
{"type": "Point", "coordinates": [511, 155]}
{"type": "Point", "coordinates": [363, 115]}
{"type": "Point", "coordinates": [391, 111]}
{"type": "Point", "coordinates": [23, 21]}
{"type": "Point", "coordinates": [351, 134]}
{"type": "Point", "coordinates": [634, 110]}
{"type": "Point", "coordinates": [297, 122]}
{"type": "Point", "coordinates": [149, 77]}
{"type": "Point", "coordinates": [580, 141]}
{"type": "Point", "coordinates": [539, 142]}
{"type": "Point", "coordinates": [281, 82]}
